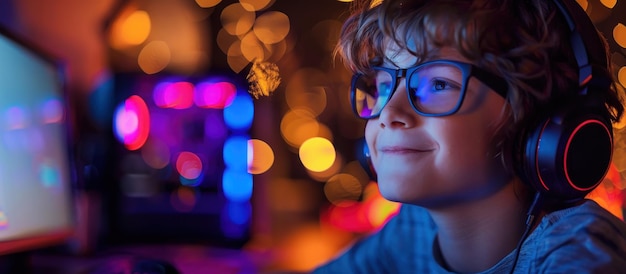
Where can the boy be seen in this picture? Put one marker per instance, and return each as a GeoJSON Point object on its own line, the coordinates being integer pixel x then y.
{"type": "Point", "coordinates": [486, 122]}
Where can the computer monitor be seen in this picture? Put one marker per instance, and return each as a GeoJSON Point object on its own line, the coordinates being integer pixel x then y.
{"type": "Point", "coordinates": [36, 178]}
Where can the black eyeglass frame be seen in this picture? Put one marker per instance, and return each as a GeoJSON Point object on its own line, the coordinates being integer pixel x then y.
{"type": "Point", "coordinates": [495, 82]}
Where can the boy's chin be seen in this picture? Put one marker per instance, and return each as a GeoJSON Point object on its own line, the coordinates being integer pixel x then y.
{"type": "Point", "coordinates": [394, 192]}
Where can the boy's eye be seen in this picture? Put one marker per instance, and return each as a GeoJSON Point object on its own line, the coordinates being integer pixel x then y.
{"type": "Point", "coordinates": [440, 85]}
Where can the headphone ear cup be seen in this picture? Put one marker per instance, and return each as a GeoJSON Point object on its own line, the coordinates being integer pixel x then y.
{"type": "Point", "coordinates": [364, 158]}
{"type": "Point", "coordinates": [568, 154]}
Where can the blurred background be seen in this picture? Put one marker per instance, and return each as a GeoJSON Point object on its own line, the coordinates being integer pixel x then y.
{"type": "Point", "coordinates": [218, 135]}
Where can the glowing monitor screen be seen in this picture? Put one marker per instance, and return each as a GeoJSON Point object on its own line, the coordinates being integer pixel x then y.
{"type": "Point", "coordinates": [35, 179]}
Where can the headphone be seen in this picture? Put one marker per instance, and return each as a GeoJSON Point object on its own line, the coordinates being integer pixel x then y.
{"type": "Point", "coordinates": [567, 153]}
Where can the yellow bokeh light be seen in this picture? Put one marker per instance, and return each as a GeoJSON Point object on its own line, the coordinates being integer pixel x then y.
{"type": "Point", "coordinates": [621, 76]}
{"type": "Point", "coordinates": [306, 89]}
{"type": "Point", "coordinates": [324, 132]}
{"type": "Point", "coordinates": [130, 29]}
{"type": "Point", "coordinates": [317, 154]}
{"type": "Point", "coordinates": [583, 3]}
{"type": "Point", "coordinates": [619, 34]}
{"type": "Point", "coordinates": [225, 40]}
{"type": "Point", "coordinates": [313, 98]}
{"type": "Point", "coordinates": [261, 157]}
{"type": "Point", "coordinates": [251, 48]}
{"type": "Point", "coordinates": [255, 5]}
{"type": "Point", "coordinates": [277, 51]}
{"type": "Point", "coordinates": [272, 27]}
{"type": "Point", "coordinates": [234, 49]}
{"type": "Point", "coordinates": [297, 125]}
{"type": "Point", "coordinates": [343, 187]}
{"type": "Point", "coordinates": [609, 3]}
{"type": "Point", "coordinates": [207, 3]}
{"type": "Point", "coordinates": [355, 169]}
{"type": "Point", "coordinates": [324, 176]}
{"type": "Point", "coordinates": [236, 61]}
{"type": "Point", "coordinates": [154, 57]}
{"type": "Point", "coordinates": [236, 20]}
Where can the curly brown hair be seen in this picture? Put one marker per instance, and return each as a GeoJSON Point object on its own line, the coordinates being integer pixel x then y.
{"type": "Point", "coordinates": [524, 42]}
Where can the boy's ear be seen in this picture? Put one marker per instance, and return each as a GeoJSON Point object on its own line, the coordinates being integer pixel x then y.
{"type": "Point", "coordinates": [567, 154]}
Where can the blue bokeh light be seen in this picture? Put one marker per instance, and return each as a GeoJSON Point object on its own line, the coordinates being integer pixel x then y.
{"type": "Point", "coordinates": [239, 115]}
{"type": "Point", "coordinates": [236, 153]}
{"type": "Point", "coordinates": [237, 185]}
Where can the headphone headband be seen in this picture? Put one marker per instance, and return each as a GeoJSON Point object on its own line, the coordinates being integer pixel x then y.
{"type": "Point", "coordinates": [590, 54]}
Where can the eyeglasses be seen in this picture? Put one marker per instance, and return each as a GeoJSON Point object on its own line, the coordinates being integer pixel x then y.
{"type": "Point", "coordinates": [435, 88]}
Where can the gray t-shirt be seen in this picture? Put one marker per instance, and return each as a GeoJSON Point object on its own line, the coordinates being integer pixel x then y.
{"type": "Point", "coordinates": [581, 239]}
